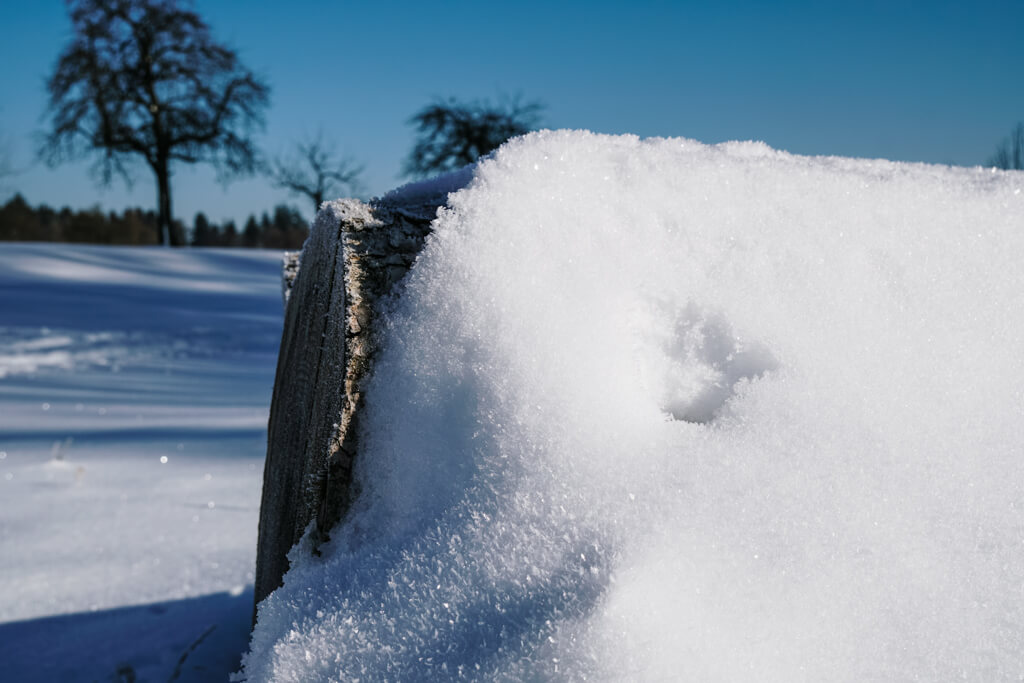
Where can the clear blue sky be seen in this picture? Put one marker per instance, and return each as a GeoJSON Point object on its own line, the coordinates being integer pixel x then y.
{"type": "Point", "coordinates": [936, 81]}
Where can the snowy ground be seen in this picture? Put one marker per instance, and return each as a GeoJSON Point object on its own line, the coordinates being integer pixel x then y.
{"type": "Point", "coordinates": [134, 390]}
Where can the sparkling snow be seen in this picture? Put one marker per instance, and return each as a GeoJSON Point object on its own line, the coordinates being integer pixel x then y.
{"type": "Point", "coordinates": [654, 410]}
{"type": "Point", "coordinates": [134, 389]}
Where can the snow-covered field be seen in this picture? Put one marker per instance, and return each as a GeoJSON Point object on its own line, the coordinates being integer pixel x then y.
{"type": "Point", "coordinates": [653, 410]}
{"type": "Point", "coordinates": [647, 410]}
{"type": "Point", "coordinates": [134, 390]}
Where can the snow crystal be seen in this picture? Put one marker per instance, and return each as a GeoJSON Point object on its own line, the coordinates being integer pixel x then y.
{"type": "Point", "coordinates": [655, 410]}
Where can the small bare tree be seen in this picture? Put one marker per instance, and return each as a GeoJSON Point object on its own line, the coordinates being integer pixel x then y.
{"type": "Point", "coordinates": [316, 170]}
{"type": "Point", "coordinates": [1010, 152]}
{"type": "Point", "coordinates": [144, 80]}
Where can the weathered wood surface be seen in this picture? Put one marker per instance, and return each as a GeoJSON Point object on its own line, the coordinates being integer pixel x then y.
{"type": "Point", "coordinates": [314, 314]}
{"type": "Point", "coordinates": [355, 255]}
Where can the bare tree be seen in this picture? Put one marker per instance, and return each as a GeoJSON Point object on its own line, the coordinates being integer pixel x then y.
{"type": "Point", "coordinates": [1009, 153]}
{"type": "Point", "coordinates": [453, 134]}
{"type": "Point", "coordinates": [315, 170]}
{"type": "Point", "coordinates": [143, 80]}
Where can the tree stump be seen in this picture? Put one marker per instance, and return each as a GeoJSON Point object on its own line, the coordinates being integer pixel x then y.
{"type": "Point", "coordinates": [355, 256]}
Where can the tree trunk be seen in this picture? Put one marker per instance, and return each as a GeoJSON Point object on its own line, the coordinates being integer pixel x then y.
{"type": "Point", "coordinates": [165, 221]}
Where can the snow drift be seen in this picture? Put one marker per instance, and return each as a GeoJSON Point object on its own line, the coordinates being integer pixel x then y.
{"type": "Point", "coordinates": [650, 409]}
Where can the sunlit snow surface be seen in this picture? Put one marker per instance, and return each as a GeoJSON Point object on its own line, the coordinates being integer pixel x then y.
{"type": "Point", "coordinates": [134, 389]}
{"type": "Point", "coordinates": [653, 410]}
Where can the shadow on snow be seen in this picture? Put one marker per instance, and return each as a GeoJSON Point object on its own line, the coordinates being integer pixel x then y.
{"type": "Point", "coordinates": [194, 639]}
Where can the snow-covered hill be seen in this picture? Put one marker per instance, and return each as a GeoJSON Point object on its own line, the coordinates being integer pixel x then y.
{"type": "Point", "coordinates": [653, 410]}
{"type": "Point", "coordinates": [134, 390]}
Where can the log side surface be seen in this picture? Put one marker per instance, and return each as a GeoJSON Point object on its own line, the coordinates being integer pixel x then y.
{"type": "Point", "coordinates": [355, 256]}
{"type": "Point", "coordinates": [313, 314]}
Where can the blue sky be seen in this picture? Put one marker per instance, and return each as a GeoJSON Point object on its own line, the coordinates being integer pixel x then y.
{"type": "Point", "coordinates": [937, 81]}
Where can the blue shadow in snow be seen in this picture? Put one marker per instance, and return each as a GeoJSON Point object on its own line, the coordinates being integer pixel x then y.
{"type": "Point", "coordinates": [255, 318]}
{"type": "Point", "coordinates": [139, 643]}
{"type": "Point", "coordinates": [141, 434]}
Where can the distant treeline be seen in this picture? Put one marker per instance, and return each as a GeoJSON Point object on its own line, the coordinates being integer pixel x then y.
{"type": "Point", "coordinates": [283, 229]}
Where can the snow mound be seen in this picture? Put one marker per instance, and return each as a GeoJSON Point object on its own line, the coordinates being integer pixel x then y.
{"type": "Point", "coordinates": [655, 410]}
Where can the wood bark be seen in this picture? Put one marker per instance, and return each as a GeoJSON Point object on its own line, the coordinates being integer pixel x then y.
{"type": "Point", "coordinates": [355, 256]}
